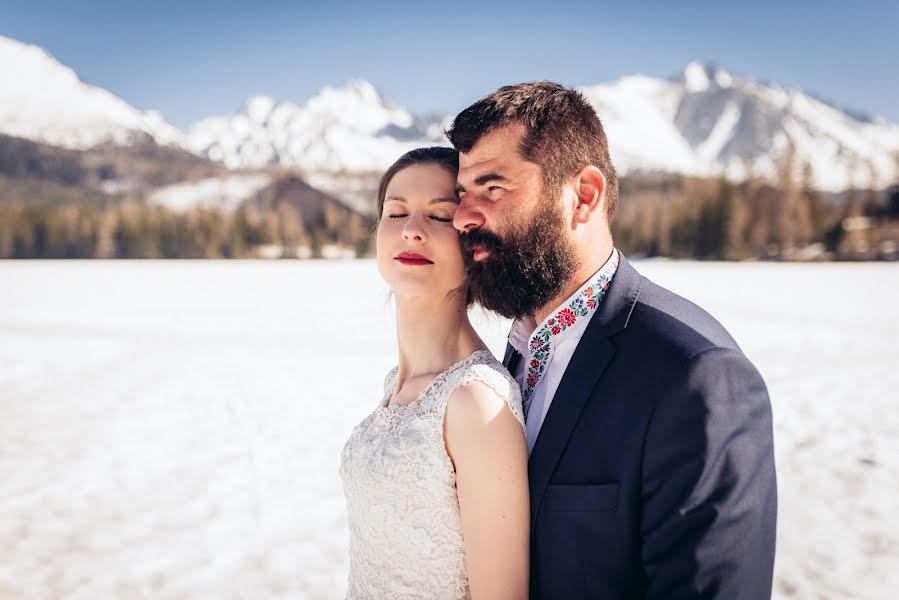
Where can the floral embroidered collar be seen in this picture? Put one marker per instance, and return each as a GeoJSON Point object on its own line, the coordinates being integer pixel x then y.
{"type": "Point", "coordinates": [579, 305]}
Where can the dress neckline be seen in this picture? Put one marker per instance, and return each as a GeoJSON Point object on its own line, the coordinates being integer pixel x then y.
{"type": "Point", "coordinates": [386, 405]}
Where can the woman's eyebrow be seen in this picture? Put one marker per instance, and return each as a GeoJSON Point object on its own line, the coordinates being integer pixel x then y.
{"type": "Point", "coordinates": [452, 199]}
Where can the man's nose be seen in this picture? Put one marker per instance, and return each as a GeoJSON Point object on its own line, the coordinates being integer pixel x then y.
{"type": "Point", "coordinates": [467, 217]}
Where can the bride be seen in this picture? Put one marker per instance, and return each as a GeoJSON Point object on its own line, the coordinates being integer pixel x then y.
{"type": "Point", "coordinates": [436, 477]}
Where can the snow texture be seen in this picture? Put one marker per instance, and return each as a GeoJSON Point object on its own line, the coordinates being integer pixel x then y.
{"type": "Point", "coordinates": [224, 193]}
{"type": "Point", "coordinates": [172, 429]}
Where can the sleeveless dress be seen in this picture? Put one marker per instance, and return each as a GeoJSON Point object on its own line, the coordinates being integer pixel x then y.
{"type": "Point", "coordinates": [400, 487]}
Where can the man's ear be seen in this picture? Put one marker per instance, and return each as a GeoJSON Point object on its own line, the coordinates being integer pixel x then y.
{"type": "Point", "coordinates": [590, 188]}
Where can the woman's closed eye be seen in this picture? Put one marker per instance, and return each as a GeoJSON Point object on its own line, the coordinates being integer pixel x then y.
{"type": "Point", "coordinates": [433, 217]}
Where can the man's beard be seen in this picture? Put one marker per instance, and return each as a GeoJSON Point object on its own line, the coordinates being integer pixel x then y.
{"type": "Point", "coordinates": [526, 268]}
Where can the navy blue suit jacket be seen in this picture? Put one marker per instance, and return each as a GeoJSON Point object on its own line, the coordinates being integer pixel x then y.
{"type": "Point", "coordinates": [653, 473]}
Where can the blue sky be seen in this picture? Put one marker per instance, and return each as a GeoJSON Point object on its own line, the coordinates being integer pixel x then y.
{"type": "Point", "coordinates": [195, 59]}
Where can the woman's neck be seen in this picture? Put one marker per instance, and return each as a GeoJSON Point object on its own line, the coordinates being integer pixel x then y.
{"type": "Point", "coordinates": [432, 335]}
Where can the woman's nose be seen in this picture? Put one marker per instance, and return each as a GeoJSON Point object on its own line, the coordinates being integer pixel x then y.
{"type": "Point", "coordinates": [414, 229]}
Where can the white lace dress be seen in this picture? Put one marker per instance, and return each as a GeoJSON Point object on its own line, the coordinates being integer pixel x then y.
{"type": "Point", "coordinates": [400, 486]}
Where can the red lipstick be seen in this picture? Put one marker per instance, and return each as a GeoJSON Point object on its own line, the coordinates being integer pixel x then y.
{"type": "Point", "coordinates": [411, 258]}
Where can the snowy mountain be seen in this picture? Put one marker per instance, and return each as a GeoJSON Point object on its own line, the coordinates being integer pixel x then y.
{"type": "Point", "coordinates": [705, 121]}
{"type": "Point", "coordinates": [352, 128]}
{"type": "Point", "coordinates": [708, 121]}
{"type": "Point", "coordinates": [43, 100]}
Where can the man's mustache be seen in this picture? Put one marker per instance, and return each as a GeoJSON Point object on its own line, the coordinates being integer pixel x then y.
{"type": "Point", "coordinates": [478, 237]}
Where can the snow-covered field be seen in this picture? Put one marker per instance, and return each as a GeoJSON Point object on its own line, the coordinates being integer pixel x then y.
{"type": "Point", "coordinates": [172, 429]}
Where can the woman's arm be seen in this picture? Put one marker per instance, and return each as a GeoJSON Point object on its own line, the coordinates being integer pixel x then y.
{"type": "Point", "coordinates": [486, 443]}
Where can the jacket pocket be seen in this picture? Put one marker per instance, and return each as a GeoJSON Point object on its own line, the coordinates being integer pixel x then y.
{"type": "Point", "coordinates": [581, 498]}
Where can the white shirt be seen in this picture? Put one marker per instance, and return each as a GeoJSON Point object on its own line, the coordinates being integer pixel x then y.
{"type": "Point", "coordinates": [563, 346]}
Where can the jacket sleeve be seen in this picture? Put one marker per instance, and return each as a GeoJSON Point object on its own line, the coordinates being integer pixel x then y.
{"type": "Point", "coordinates": [709, 496]}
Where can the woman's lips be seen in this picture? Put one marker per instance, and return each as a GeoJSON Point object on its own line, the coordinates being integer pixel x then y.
{"type": "Point", "coordinates": [410, 258]}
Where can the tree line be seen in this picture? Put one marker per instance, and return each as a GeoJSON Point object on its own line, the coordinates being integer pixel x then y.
{"type": "Point", "coordinates": [134, 229]}
{"type": "Point", "coordinates": [716, 219]}
{"type": "Point", "coordinates": [662, 215]}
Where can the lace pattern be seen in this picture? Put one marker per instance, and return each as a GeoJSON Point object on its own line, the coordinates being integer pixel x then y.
{"type": "Point", "coordinates": [400, 487]}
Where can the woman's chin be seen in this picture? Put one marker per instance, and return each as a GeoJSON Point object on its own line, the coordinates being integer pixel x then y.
{"type": "Point", "coordinates": [418, 289]}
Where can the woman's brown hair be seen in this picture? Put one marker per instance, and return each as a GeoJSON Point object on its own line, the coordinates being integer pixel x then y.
{"type": "Point", "coordinates": [448, 158]}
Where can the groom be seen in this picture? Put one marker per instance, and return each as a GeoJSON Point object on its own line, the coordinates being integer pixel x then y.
{"type": "Point", "coordinates": [649, 431]}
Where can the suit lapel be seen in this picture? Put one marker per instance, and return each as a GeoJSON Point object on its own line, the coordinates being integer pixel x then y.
{"type": "Point", "coordinates": [592, 356]}
{"type": "Point", "coordinates": [510, 360]}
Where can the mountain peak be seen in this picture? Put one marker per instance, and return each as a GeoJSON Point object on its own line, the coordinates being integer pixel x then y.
{"type": "Point", "coordinates": [258, 108]}
{"type": "Point", "coordinates": [22, 62]}
{"type": "Point", "coordinates": [358, 91]}
{"type": "Point", "coordinates": [699, 76]}
{"type": "Point", "coordinates": [44, 100]}
{"type": "Point", "coordinates": [9, 45]}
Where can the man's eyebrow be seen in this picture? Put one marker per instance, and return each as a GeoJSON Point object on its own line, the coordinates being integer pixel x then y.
{"type": "Point", "coordinates": [481, 180]}
{"type": "Point", "coordinates": [488, 177]}
{"type": "Point", "coordinates": [397, 198]}
{"type": "Point", "coordinates": [452, 199]}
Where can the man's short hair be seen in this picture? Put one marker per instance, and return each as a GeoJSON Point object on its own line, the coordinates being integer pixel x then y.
{"type": "Point", "coordinates": [563, 134]}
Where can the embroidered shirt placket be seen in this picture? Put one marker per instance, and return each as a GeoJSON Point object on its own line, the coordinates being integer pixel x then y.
{"type": "Point", "coordinates": [540, 344]}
